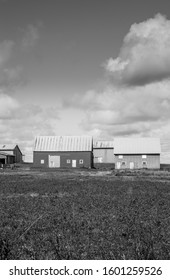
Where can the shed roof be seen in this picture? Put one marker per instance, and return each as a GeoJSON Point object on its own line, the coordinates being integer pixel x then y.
{"type": "Point", "coordinates": [63, 143]}
{"type": "Point", "coordinates": [9, 147]}
{"type": "Point", "coordinates": [137, 145]}
{"type": "Point", "coordinates": [102, 144]}
{"type": "Point", "coordinates": [6, 147]}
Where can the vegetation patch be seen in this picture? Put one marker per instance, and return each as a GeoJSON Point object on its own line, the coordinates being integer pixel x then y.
{"type": "Point", "coordinates": [73, 215]}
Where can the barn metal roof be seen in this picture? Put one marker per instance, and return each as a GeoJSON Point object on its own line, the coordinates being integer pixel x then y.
{"type": "Point", "coordinates": [63, 143]}
{"type": "Point", "coordinates": [6, 147]}
{"type": "Point", "coordinates": [102, 144]}
{"type": "Point", "coordinates": [137, 145]}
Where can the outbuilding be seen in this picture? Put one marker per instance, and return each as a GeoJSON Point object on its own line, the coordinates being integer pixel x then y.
{"type": "Point", "coordinates": [137, 153]}
{"type": "Point", "coordinates": [6, 159]}
{"type": "Point", "coordinates": [13, 150]}
{"type": "Point", "coordinates": [103, 151]}
{"type": "Point", "coordinates": [63, 151]}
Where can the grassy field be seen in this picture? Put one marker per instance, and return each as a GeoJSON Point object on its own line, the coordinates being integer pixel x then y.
{"type": "Point", "coordinates": [84, 214]}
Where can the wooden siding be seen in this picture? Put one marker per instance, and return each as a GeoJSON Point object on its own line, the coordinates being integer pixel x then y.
{"type": "Point", "coordinates": [153, 161]}
{"type": "Point", "coordinates": [107, 155]}
{"type": "Point", "coordinates": [15, 151]}
{"type": "Point", "coordinates": [18, 155]}
{"type": "Point", "coordinates": [41, 159]}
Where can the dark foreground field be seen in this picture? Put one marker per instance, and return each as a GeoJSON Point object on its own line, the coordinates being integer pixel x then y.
{"type": "Point", "coordinates": [84, 214]}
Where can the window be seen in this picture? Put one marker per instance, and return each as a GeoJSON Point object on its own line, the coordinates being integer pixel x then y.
{"type": "Point", "coordinates": [120, 156]}
{"type": "Point", "coordinates": [81, 161]}
{"type": "Point", "coordinates": [100, 159]}
{"type": "Point", "coordinates": [68, 161]}
{"type": "Point", "coordinates": [144, 156]}
{"type": "Point", "coordinates": [123, 163]}
{"type": "Point", "coordinates": [42, 161]}
{"type": "Point", "coordinates": [144, 163]}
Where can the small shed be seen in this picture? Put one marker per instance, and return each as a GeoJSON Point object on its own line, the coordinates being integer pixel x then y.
{"type": "Point", "coordinates": [63, 151]}
{"type": "Point", "coordinates": [103, 151]}
{"type": "Point", "coordinates": [137, 153]}
{"type": "Point", "coordinates": [12, 149]}
{"type": "Point", "coordinates": [6, 158]}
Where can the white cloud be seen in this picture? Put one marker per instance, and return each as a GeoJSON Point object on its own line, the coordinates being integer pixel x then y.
{"type": "Point", "coordinates": [20, 123]}
{"type": "Point", "coordinates": [137, 103]}
{"type": "Point", "coordinates": [145, 53]}
{"type": "Point", "coordinates": [140, 110]}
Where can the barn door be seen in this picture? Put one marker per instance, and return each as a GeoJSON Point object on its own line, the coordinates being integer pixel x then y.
{"type": "Point", "coordinates": [54, 161]}
{"type": "Point", "coordinates": [118, 165]}
{"type": "Point", "coordinates": [74, 163]}
{"type": "Point", "coordinates": [131, 165]}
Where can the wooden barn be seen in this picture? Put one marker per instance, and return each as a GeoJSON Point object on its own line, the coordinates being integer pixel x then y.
{"type": "Point", "coordinates": [63, 151]}
{"type": "Point", "coordinates": [137, 153]}
{"type": "Point", "coordinates": [11, 150]}
{"type": "Point", "coordinates": [103, 151]}
{"type": "Point", "coordinates": [6, 158]}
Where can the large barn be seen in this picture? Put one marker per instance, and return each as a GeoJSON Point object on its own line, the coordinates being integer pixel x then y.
{"type": "Point", "coordinates": [137, 153]}
{"type": "Point", "coordinates": [10, 153]}
{"type": "Point", "coordinates": [63, 151]}
{"type": "Point", "coordinates": [103, 151]}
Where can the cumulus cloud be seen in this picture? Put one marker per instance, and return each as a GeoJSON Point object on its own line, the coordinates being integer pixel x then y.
{"type": "Point", "coordinates": [20, 123]}
{"type": "Point", "coordinates": [142, 111]}
{"type": "Point", "coordinates": [136, 101]}
{"type": "Point", "coordinates": [145, 53]}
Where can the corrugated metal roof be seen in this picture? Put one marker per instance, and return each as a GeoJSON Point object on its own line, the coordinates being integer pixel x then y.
{"type": "Point", "coordinates": [137, 145]}
{"type": "Point", "coordinates": [101, 144]}
{"type": "Point", "coordinates": [7, 147]}
{"type": "Point", "coordinates": [63, 143]}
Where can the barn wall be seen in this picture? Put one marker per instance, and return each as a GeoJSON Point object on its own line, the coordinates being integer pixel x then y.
{"type": "Point", "coordinates": [104, 155]}
{"type": "Point", "coordinates": [18, 155]}
{"type": "Point", "coordinates": [10, 160]}
{"type": "Point", "coordinates": [43, 157]}
{"type": "Point", "coordinates": [153, 161]}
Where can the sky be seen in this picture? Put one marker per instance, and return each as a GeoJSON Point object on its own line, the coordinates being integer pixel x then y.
{"type": "Point", "coordinates": [75, 67]}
